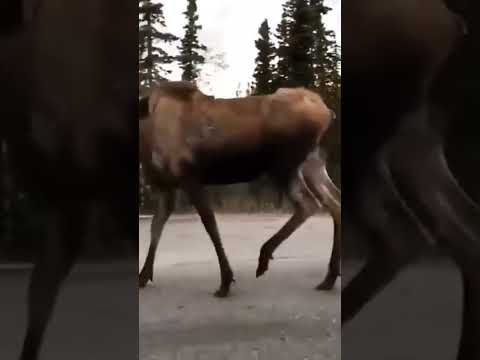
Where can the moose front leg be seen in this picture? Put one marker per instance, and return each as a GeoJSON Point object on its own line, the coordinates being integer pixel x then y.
{"type": "Point", "coordinates": [165, 207]}
{"type": "Point", "coordinates": [200, 201]}
{"type": "Point", "coordinates": [335, 258]}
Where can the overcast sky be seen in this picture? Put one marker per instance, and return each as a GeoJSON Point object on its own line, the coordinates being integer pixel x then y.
{"type": "Point", "coordinates": [231, 27]}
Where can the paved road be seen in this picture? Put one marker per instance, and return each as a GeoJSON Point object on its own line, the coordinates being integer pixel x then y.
{"type": "Point", "coordinates": [276, 317]}
{"type": "Point", "coordinates": [279, 316]}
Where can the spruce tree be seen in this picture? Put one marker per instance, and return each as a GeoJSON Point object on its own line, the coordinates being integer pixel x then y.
{"type": "Point", "coordinates": [333, 78]}
{"type": "Point", "coordinates": [282, 70]}
{"type": "Point", "coordinates": [153, 36]}
{"type": "Point", "coordinates": [326, 56]}
{"type": "Point", "coordinates": [190, 57]}
{"type": "Point", "coordinates": [295, 44]}
{"type": "Point", "coordinates": [301, 43]}
{"type": "Point", "coordinates": [263, 74]}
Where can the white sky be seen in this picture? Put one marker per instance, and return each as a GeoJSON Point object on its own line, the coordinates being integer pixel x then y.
{"type": "Point", "coordinates": [231, 27]}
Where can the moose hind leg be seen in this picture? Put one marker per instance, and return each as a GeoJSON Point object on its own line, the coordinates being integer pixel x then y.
{"type": "Point", "coordinates": [316, 179]}
{"type": "Point", "coordinates": [334, 264]}
{"type": "Point", "coordinates": [305, 206]}
{"type": "Point", "coordinates": [165, 207]}
{"type": "Point", "coordinates": [59, 252]}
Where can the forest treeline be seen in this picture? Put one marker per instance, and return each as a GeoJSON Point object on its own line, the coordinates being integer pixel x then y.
{"type": "Point", "coordinates": [298, 51]}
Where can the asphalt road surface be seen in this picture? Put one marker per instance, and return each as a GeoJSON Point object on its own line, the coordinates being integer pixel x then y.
{"type": "Point", "coordinates": [279, 316]}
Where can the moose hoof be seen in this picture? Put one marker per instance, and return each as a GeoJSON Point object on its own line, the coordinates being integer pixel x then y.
{"type": "Point", "coordinates": [326, 285]}
{"type": "Point", "coordinates": [262, 268]}
{"type": "Point", "coordinates": [222, 293]}
{"type": "Point", "coordinates": [263, 263]}
{"type": "Point", "coordinates": [143, 280]}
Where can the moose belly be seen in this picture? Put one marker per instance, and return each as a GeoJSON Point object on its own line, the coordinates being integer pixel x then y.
{"type": "Point", "coordinates": [224, 168]}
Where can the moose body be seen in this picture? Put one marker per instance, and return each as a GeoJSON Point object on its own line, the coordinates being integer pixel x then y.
{"type": "Point", "coordinates": [190, 140]}
{"type": "Point", "coordinates": [401, 192]}
{"type": "Point", "coordinates": [212, 138]}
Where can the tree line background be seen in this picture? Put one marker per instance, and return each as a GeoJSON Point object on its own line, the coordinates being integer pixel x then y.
{"type": "Point", "coordinates": [300, 51]}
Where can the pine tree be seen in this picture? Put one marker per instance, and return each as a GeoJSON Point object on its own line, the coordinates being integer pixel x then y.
{"type": "Point", "coordinates": [190, 57]}
{"type": "Point", "coordinates": [295, 44]}
{"type": "Point", "coordinates": [301, 43]}
{"type": "Point", "coordinates": [326, 56]}
{"type": "Point", "coordinates": [333, 78]}
{"type": "Point", "coordinates": [263, 74]}
{"type": "Point", "coordinates": [153, 36]}
{"type": "Point", "coordinates": [282, 70]}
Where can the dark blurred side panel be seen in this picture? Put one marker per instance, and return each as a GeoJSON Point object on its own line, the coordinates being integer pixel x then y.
{"type": "Point", "coordinates": [11, 15]}
{"type": "Point", "coordinates": [68, 179]}
{"type": "Point", "coordinates": [418, 313]}
{"type": "Point", "coordinates": [462, 91]}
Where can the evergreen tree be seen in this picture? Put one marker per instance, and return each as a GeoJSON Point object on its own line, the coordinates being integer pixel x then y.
{"type": "Point", "coordinates": [153, 36]}
{"type": "Point", "coordinates": [295, 44]}
{"type": "Point", "coordinates": [332, 75]}
{"type": "Point", "coordinates": [263, 74]}
{"type": "Point", "coordinates": [301, 43]}
{"type": "Point", "coordinates": [282, 70]}
{"type": "Point", "coordinates": [190, 57]}
{"type": "Point", "coordinates": [326, 56]}
{"type": "Point", "coordinates": [321, 42]}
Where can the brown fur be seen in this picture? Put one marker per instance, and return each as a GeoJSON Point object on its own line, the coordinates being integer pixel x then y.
{"type": "Point", "coordinates": [183, 122]}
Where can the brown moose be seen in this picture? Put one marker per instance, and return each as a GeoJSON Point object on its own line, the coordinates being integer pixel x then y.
{"type": "Point", "coordinates": [189, 140]}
